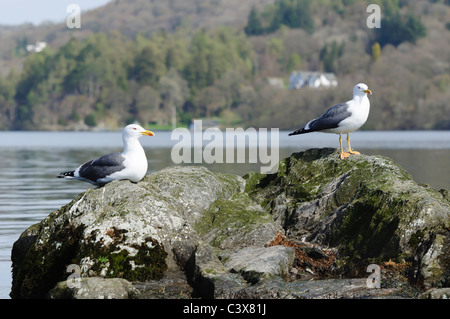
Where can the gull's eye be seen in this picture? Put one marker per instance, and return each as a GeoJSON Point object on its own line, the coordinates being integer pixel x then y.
{"type": "Point", "coordinates": [134, 128]}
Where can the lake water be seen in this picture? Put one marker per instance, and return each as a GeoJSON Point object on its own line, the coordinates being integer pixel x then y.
{"type": "Point", "coordinates": [30, 161]}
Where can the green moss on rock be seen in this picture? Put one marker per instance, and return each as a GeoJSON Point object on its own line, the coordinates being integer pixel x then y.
{"type": "Point", "coordinates": [44, 265]}
{"type": "Point", "coordinates": [235, 222]}
{"type": "Point", "coordinates": [149, 262]}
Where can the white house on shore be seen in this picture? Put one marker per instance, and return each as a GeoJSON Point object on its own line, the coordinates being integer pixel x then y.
{"type": "Point", "coordinates": [38, 47]}
{"type": "Point", "coordinates": [316, 80]}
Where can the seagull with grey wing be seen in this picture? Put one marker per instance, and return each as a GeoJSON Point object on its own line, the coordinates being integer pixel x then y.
{"type": "Point", "coordinates": [342, 118]}
{"type": "Point", "coordinates": [131, 164]}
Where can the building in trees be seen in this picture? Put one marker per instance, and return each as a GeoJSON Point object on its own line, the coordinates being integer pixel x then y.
{"type": "Point", "coordinates": [300, 79]}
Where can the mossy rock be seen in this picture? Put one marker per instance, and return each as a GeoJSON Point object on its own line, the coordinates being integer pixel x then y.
{"type": "Point", "coordinates": [236, 223]}
{"type": "Point", "coordinates": [367, 206]}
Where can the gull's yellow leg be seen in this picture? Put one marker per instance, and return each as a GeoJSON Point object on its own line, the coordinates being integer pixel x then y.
{"type": "Point", "coordinates": [350, 148]}
{"type": "Point", "coordinates": [343, 154]}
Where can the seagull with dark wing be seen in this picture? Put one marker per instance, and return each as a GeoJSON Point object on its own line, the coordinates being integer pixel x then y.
{"type": "Point", "coordinates": [131, 164]}
{"type": "Point", "coordinates": [342, 118]}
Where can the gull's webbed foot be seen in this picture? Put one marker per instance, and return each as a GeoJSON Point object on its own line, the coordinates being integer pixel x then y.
{"type": "Point", "coordinates": [344, 155]}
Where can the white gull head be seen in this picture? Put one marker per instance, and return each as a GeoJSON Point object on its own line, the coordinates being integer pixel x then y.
{"type": "Point", "coordinates": [134, 131]}
{"type": "Point", "coordinates": [361, 90]}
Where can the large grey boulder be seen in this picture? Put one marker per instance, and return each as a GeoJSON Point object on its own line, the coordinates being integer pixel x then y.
{"type": "Point", "coordinates": [273, 260]}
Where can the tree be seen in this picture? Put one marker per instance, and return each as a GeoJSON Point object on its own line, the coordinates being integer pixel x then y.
{"type": "Point", "coordinates": [305, 20]}
{"type": "Point", "coordinates": [149, 66]}
{"type": "Point", "coordinates": [30, 88]}
{"type": "Point", "coordinates": [329, 54]}
{"type": "Point", "coordinates": [397, 29]}
{"type": "Point", "coordinates": [35, 71]}
{"type": "Point", "coordinates": [174, 91]}
{"type": "Point", "coordinates": [230, 84]}
{"type": "Point", "coordinates": [213, 53]}
{"type": "Point", "coordinates": [294, 62]}
{"type": "Point", "coordinates": [86, 77]}
{"type": "Point", "coordinates": [196, 69]}
{"type": "Point", "coordinates": [254, 25]}
{"type": "Point", "coordinates": [90, 120]}
{"type": "Point", "coordinates": [291, 13]}
{"type": "Point", "coordinates": [376, 51]}
{"type": "Point", "coordinates": [276, 49]}
{"type": "Point", "coordinates": [99, 62]}
{"type": "Point", "coordinates": [7, 103]}
{"type": "Point", "coordinates": [211, 100]}
{"type": "Point", "coordinates": [147, 103]}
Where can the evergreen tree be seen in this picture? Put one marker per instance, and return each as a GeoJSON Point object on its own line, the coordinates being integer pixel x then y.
{"type": "Point", "coordinates": [397, 29]}
{"type": "Point", "coordinates": [196, 69]}
{"type": "Point", "coordinates": [305, 20]}
{"type": "Point", "coordinates": [149, 66]}
{"type": "Point", "coordinates": [254, 25]}
{"type": "Point", "coordinates": [291, 13]}
{"type": "Point", "coordinates": [329, 54]}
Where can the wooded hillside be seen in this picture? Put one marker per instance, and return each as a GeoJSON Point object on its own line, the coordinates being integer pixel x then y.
{"type": "Point", "coordinates": [140, 60]}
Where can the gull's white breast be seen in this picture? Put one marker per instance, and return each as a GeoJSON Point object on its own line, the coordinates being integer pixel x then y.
{"type": "Point", "coordinates": [360, 113]}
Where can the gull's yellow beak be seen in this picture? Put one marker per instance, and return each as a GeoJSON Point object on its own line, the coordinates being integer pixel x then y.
{"type": "Point", "coordinates": [368, 91]}
{"type": "Point", "coordinates": [148, 133]}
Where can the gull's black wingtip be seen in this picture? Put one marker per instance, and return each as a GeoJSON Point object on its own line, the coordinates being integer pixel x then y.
{"type": "Point", "coordinates": [300, 131]}
{"type": "Point", "coordinates": [66, 174]}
